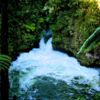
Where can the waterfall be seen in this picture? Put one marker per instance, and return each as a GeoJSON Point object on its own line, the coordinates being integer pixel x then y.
{"type": "Point", "coordinates": [45, 61]}
{"type": "Point", "coordinates": [47, 46]}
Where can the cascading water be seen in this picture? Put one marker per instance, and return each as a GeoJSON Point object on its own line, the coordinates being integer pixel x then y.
{"type": "Point", "coordinates": [50, 67]}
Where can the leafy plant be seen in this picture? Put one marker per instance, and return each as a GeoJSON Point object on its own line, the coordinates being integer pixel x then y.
{"type": "Point", "coordinates": [4, 62]}
{"type": "Point", "coordinates": [30, 26]}
{"type": "Point", "coordinates": [92, 42]}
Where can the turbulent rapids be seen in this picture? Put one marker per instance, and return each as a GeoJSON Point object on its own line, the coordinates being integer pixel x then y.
{"type": "Point", "coordinates": [46, 62]}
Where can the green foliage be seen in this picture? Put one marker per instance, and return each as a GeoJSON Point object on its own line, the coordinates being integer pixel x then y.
{"type": "Point", "coordinates": [72, 22]}
{"type": "Point", "coordinates": [27, 41]}
{"type": "Point", "coordinates": [25, 22]}
{"type": "Point", "coordinates": [75, 21]}
{"type": "Point", "coordinates": [4, 62]}
{"type": "Point", "coordinates": [29, 26]}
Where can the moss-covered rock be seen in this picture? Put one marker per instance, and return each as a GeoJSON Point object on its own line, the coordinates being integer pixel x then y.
{"type": "Point", "coordinates": [14, 84]}
{"type": "Point", "coordinates": [48, 88]}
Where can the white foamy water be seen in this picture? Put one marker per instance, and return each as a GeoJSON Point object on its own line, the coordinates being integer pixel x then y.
{"type": "Point", "coordinates": [44, 61]}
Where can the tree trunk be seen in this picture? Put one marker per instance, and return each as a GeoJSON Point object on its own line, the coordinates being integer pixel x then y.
{"type": "Point", "coordinates": [4, 50]}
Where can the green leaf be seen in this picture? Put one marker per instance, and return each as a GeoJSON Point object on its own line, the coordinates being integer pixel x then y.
{"type": "Point", "coordinates": [4, 62]}
{"type": "Point", "coordinates": [91, 42]}
{"type": "Point", "coordinates": [30, 26]}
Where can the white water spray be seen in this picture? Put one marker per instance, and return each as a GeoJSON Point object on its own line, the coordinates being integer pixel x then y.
{"type": "Point", "coordinates": [44, 61]}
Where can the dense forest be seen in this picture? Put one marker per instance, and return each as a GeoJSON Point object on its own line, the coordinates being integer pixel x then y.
{"type": "Point", "coordinates": [23, 22]}
{"type": "Point", "coordinates": [72, 22]}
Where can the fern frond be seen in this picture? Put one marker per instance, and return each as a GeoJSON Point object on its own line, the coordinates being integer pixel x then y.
{"type": "Point", "coordinates": [4, 62]}
{"type": "Point", "coordinates": [91, 42]}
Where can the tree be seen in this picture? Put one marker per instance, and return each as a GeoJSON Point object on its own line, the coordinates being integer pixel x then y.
{"type": "Point", "coordinates": [4, 49]}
